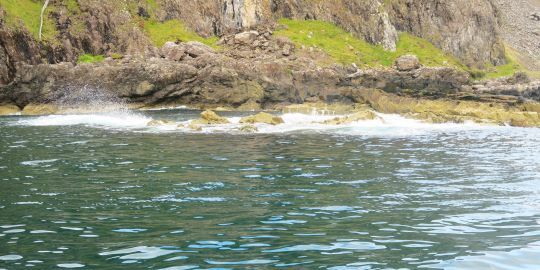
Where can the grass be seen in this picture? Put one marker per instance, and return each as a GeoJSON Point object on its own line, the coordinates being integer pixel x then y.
{"type": "Point", "coordinates": [90, 58]}
{"type": "Point", "coordinates": [345, 48]}
{"type": "Point", "coordinates": [26, 13]}
{"type": "Point", "coordinates": [173, 30]}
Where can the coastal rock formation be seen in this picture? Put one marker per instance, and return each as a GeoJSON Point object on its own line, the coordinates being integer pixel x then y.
{"type": "Point", "coordinates": [262, 117]}
{"type": "Point", "coordinates": [210, 118]}
{"type": "Point", "coordinates": [463, 28]}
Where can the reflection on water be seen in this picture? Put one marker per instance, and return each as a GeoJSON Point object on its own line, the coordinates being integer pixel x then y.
{"type": "Point", "coordinates": [366, 197]}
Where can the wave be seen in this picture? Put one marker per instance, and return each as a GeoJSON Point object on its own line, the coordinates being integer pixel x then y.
{"type": "Point", "coordinates": [387, 125]}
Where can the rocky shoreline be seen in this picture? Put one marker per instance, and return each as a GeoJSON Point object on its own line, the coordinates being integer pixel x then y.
{"type": "Point", "coordinates": [261, 72]}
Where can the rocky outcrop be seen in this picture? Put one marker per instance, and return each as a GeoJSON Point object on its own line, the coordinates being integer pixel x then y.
{"type": "Point", "coordinates": [466, 29]}
{"type": "Point", "coordinates": [262, 117]}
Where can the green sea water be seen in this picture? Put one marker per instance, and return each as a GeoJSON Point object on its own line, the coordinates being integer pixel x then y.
{"type": "Point", "coordinates": [105, 192]}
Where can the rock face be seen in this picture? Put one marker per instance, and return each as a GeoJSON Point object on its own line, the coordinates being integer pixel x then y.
{"type": "Point", "coordinates": [467, 29]}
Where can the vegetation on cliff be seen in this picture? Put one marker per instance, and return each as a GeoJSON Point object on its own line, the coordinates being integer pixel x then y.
{"type": "Point", "coordinates": [27, 13]}
{"type": "Point", "coordinates": [173, 30]}
{"type": "Point", "coordinates": [345, 48]}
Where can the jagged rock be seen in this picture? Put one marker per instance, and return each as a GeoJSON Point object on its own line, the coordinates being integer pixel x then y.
{"type": "Point", "coordinates": [195, 49]}
{"type": "Point", "coordinates": [40, 109]}
{"type": "Point", "coordinates": [246, 38]}
{"type": "Point", "coordinates": [262, 117]}
{"type": "Point", "coordinates": [8, 109]}
{"type": "Point", "coordinates": [355, 117]}
{"type": "Point", "coordinates": [439, 111]}
{"type": "Point", "coordinates": [173, 51]}
{"type": "Point", "coordinates": [248, 129]}
{"type": "Point", "coordinates": [209, 117]}
{"type": "Point", "coordinates": [407, 63]}
{"type": "Point", "coordinates": [160, 122]}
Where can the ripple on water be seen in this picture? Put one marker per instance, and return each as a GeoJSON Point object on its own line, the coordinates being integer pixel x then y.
{"type": "Point", "coordinates": [140, 253]}
{"type": "Point", "coordinates": [354, 245]}
{"type": "Point", "coordinates": [10, 257]}
{"type": "Point", "coordinates": [70, 265]}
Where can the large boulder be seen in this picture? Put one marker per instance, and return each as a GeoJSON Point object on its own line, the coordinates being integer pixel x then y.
{"type": "Point", "coordinates": [407, 63]}
{"type": "Point", "coordinates": [173, 51]}
{"type": "Point", "coordinates": [209, 117]}
{"type": "Point", "coordinates": [264, 118]}
{"type": "Point", "coordinates": [246, 38]}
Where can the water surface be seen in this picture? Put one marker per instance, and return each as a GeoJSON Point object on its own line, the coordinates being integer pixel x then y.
{"type": "Point", "coordinates": [106, 192]}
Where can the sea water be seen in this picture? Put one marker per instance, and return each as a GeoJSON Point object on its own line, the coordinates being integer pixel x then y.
{"type": "Point", "coordinates": [105, 191]}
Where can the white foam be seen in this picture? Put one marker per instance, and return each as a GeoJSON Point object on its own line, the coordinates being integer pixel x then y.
{"type": "Point", "coordinates": [116, 120]}
{"type": "Point", "coordinates": [387, 126]}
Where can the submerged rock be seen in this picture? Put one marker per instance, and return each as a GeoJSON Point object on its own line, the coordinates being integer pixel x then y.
{"type": "Point", "coordinates": [358, 116]}
{"type": "Point", "coordinates": [262, 117]}
{"type": "Point", "coordinates": [160, 122]}
{"type": "Point", "coordinates": [248, 129]}
{"type": "Point", "coordinates": [209, 117]}
{"type": "Point", "coordinates": [40, 109]}
{"type": "Point", "coordinates": [8, 109]}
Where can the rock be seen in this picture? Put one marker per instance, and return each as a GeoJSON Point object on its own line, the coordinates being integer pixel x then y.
{"type": "Point", "coordinates": [195, 49]}
{"type": "Point", "coordinates": [249, 106]}
{"type": "Point", "coordinates": [246, 38]}
{"type": "Point", "coordinates": [440, 111]}
{"type": "Point", "coordinates": [264, 118]}
{"type": "Point", "coordinates": [173, 51]}
{"type": "Point", "coordinates": [160, 122]}
{"type": "Point", "coordinates": [40, 109]}
{"type": "Point", "coordinates": [8, 109]}
{"type": "Point", "coordinates": [248, 129]}
{"type": "Point", "coordinates": [194, 126]}
{"type": "Point", "coordinates": [359, 116]}
{"type": "Point", "coordinates": [209, 117]}
{"type": "Point", "coordinates": [144, 88]}
{"type": "Point", "coordinates": [407, 63]}
{"type": "Point", "coordinates": [319, 108]}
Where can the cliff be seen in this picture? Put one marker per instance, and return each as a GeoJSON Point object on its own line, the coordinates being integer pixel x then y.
{"type": "Point", "coordinates": [466, 29]}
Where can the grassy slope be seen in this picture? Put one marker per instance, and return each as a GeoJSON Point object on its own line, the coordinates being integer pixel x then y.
{"type": "Point", "coordinates": [344, 48]}
{"type": "Point", "coordinates": [173, 30]}
{"type": "Point", "coordinates": [28, 12]}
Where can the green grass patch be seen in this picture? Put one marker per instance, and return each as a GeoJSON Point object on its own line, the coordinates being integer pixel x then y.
{"type": "Point", "coordinates": [173, 30]}
{"type": "Point", "coordinates": [26, 13]}
{"type": "Point", "coordinates": [90, 58]}
{"type": "Point", "coordinates": [512, 66]}
{"type": "Point", "coordinates": [345, 48]}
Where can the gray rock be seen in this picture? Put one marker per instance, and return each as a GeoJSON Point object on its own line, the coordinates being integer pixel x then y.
{"type": "Point", "coordinates": [407, 63]}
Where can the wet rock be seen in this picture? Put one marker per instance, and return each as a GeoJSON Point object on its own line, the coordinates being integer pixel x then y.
{"type": "Point", "coordinates": [209, 117]}
{"type": "Point", "coordinates": [248, 129]}
{"type": "Point", "coordinates": [264, 118]}
{"type": "Point", "coordinates": [440, 111]}
{"type": "Point", "coordinates": [407, 63]}
{"type": "Point", "coordinates": [320, 108]}
{"type": "Point", "coordinates": [40, 109]}
{"type": "Point", "coordinates": [8, 109]}
{"type": "Point", "coordinates": [160, 122]}
{"type": "Point", "coordinates": [358, 116]}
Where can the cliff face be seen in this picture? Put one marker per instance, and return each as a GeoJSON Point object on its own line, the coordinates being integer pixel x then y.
{"type": "Point", "coordinates": [467, 29]}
